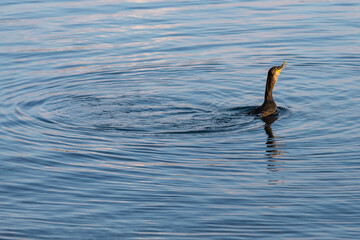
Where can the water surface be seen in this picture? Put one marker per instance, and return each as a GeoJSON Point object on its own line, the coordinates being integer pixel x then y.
{"type": "Point", "coordinates": [127, 120]}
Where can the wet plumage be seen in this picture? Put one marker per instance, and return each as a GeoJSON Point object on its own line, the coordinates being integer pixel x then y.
{"type": "Point", "coordinates": [269, 106]}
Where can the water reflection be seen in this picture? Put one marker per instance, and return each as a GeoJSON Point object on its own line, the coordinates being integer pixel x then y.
{"type": "Point", "coordinates": [272, 152]}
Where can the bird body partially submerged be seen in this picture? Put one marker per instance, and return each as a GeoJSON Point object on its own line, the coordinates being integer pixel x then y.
{"type": "Point", "coordinates": [269, 106]}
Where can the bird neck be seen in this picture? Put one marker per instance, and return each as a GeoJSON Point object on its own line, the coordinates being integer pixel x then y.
{"type": "Point", "coordinates": [270, 84]}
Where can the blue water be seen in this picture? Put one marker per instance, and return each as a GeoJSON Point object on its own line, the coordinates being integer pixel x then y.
{"type": "Point", "coordinates": [128, 120]}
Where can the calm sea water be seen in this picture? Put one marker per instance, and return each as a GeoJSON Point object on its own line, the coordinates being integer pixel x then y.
{"type": "Point", "coordinates": [127, 120]}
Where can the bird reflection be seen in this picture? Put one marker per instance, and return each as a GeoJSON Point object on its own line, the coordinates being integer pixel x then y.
{"type": "Point", "coordinates": [272, 151]}
{"type": "Point", "coordinates": [271, 142]}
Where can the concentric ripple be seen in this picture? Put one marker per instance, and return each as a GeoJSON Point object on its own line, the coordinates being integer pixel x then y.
{"type": "Point", "coordinates": [128, 113]}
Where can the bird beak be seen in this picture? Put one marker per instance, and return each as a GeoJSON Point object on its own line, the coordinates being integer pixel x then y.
{"type": "Point", "coordinates": [281, 67]}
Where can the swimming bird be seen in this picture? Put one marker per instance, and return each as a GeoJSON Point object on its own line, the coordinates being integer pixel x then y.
{"type": "Point", "coordinates": [269, 106]}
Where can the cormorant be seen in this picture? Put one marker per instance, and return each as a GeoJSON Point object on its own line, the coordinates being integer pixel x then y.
{"type": "Point", "coordinates": [269, 106]}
